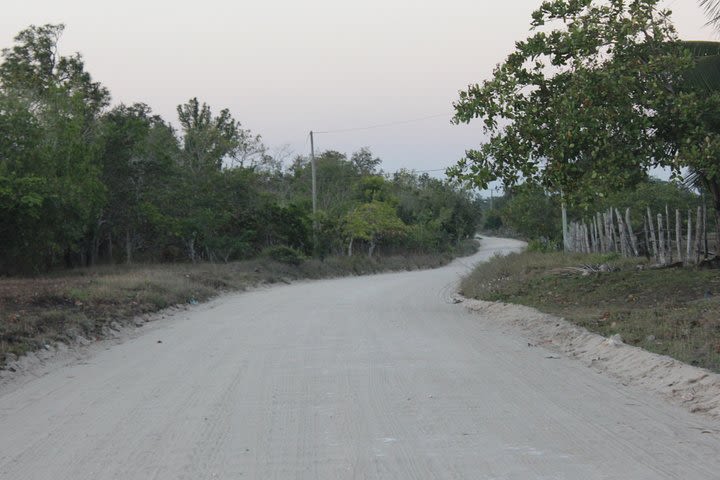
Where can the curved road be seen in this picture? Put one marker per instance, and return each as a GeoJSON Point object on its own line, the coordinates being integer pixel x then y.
{"type": "Point", "coordinates": [377, 377]}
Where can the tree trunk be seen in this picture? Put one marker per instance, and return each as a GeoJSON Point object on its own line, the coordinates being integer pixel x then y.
{"type": "Point", "coordinates": [371, 249]}
{"type": "Point", "coordinates": [350, 245]}
{"type": "Point", "coordinates": [714, 189]}
{"type": "Point", "coordinates": [191, 249]}
{"type": "Point", "coordinates": [565, 228]}
{"type": "Point", "coordinates": [128, 247]}
{"type": "Point", "coordinates": [110, 248]}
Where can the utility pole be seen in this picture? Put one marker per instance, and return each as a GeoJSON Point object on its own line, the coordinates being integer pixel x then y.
{"type": "Point", "coordinates": [314, 192]}
{"type": "Point", "coordinates": [312, 168]}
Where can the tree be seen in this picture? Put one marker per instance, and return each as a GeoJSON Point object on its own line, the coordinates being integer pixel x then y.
{"type": "Point", "coordinates": [373, 222]}
{"type": "Point", "coordinates": [49, 165]}
{"type": "Point", "coordinates": [574, 108]}
{"type": "Point", "coordinates": [139, 158]}
{"type": "Point", "coordinates": [208, 141]}
{"type": "Point", "coordinates": [692, 129]}
{"type": "Point", "coordinates": [364, 162]}
{"type": "Point", "coordinates": [34, 69]}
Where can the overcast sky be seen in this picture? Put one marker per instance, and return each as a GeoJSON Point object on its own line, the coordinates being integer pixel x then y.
{"type": "Point", "coordinates": [285, 67]}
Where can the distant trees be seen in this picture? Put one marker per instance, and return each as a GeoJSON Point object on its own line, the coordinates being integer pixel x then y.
{"type": "Point", "coordinates": [82, 183]}
{"type": "Point", "coordinates": [209, 140]}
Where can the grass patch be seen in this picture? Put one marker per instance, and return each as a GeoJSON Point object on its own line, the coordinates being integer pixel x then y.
{"type": "Point", "coordinates": [60, 306]}
{"type": "Point", "coordinates": [673, 311]}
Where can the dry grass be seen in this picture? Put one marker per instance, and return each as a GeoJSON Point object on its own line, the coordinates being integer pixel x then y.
{"type": "Point", "coordinates": [669, 311]}
{"type": "Point", "coordinates": [82, 303]}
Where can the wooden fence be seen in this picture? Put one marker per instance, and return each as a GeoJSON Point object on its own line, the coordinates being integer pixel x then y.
{"type": "Point", "coordinates": [668, 240]}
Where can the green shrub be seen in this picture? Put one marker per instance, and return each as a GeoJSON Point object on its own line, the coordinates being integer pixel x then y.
{"type": "Point", "coordinates": [284, 254]}
{"type": "Point", "coordinates": [543, 245]}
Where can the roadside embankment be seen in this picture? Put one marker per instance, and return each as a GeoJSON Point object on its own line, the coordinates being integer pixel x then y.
{"type": "Point", "coordinates": [694, 388]}
{"type": "Point", "coordinates": [658, 328]}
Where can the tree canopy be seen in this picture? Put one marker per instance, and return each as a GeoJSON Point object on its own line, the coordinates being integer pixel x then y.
{"type": "Point", "coordinates": [576, 108]}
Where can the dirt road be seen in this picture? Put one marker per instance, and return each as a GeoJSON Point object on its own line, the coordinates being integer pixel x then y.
{"type": "Point", "coordinates": [376, 377]}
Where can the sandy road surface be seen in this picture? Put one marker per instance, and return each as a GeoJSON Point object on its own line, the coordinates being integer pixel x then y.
{"type": "Point", "coordinates": [371, 377]}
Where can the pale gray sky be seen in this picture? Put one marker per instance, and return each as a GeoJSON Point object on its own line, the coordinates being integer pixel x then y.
{"type": "Point", "coordinates": [284, 67]}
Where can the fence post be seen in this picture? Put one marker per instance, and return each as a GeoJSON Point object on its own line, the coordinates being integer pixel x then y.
{"type": "Point", "coordinates": [690, 254]}
{"type": "Point", "coordinates": [678, 234]}
{"type": "Point", "coordinates": [653, 239]}
{"type": "Point", "coordinates": [661, 239]}
{"type": "Point", "coordinates": [611, 228]}
{"type": "Point", "coordinates": [705, 238]}
{"type": "Point", "coordinates": [669, 235]}
{"type": "Point", "coordinates": [622, 234]}
{"type": "Point", "coordinates": [698, 235]}
{"type": "Point", "coordinates": [601, 232]}
{"type": "Point", "coordinates": [586, 238]}
{"type": "Point", "coordinates": [633, 238]}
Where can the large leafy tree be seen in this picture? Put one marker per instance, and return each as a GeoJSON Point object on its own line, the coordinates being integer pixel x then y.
{"type": "Point", "coordinates": [139, 163]}
{"type": "Point", "coordinates": [373, 222]}
{"type": "Point", "coordinates": [574, 107]}
{"type": "Point", "coordinates": [49, 168]}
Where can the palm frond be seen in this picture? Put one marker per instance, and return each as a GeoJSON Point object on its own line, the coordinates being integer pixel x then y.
{"type": "Point", "coordinates": [693, 180]}
{"type": "Point", "coordinates": [701, 48]}
{"type": "Point", "coordinates": [712, 10]}
{"type": "Point", "coordinates": [705, 73]}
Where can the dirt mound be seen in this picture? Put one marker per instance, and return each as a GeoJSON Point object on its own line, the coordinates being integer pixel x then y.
{"type": "Point", "coordinates": [694, 388]}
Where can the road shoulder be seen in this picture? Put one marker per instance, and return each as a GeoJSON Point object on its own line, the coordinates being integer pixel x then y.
{"type": "Point", "coordinates": [693, 388]}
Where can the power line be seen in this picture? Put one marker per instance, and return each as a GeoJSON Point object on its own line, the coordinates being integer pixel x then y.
{"type": "Point", "coordinates": [389, 174]}
{"type": "Point", "coordinates": [382, 125]}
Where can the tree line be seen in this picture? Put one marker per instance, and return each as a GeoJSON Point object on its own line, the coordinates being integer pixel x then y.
{"type": "Point", "coordinates": [83, 182]}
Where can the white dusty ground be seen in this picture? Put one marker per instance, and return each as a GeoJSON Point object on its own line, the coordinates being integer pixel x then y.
{"type": "Point", "coordinates": [367, 377]}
